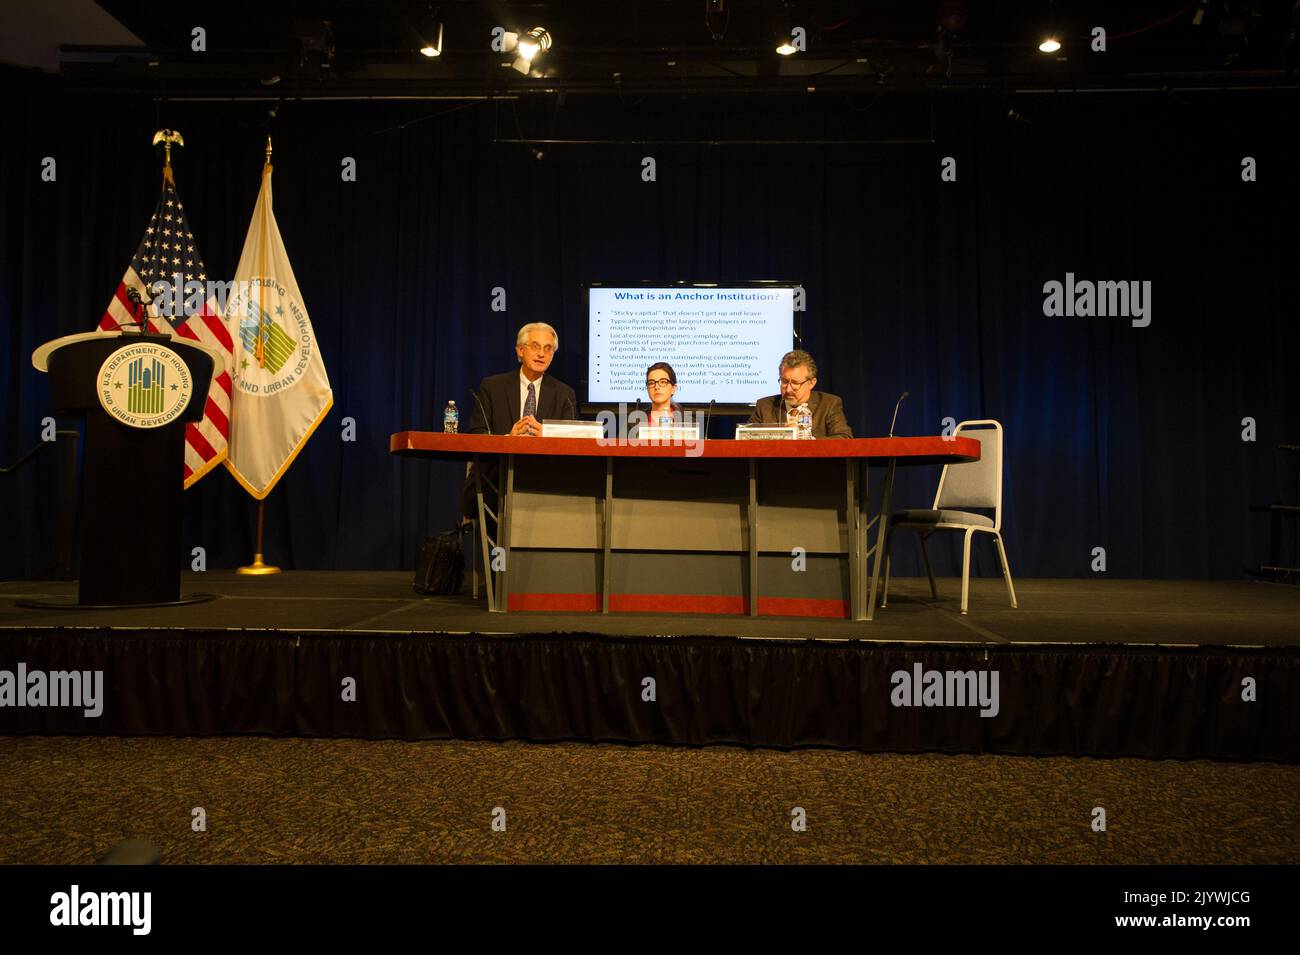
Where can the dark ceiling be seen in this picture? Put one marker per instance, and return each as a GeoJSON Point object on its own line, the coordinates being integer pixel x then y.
{"type": "Point", "coordinates": [348, 48]}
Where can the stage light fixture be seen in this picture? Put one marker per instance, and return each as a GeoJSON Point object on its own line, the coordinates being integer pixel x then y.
{"type": "Point", "coordinates": [432, 39]}
{"type": "Point", "coordinates": [1051, 27]}
{"type": "Point", "coordinates": [426, 28]}
{"type": "Point", "coordinates": [535, 41]}
{"type": "Point", "coordinates": [789, 38]}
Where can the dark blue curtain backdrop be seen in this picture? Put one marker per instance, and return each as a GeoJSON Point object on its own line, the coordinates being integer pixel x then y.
{"type": "Point", "coordinates": [1117, 437]}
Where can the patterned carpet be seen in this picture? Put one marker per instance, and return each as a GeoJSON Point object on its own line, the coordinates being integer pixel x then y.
{"type": "Point", "coordinates": [69, 799]}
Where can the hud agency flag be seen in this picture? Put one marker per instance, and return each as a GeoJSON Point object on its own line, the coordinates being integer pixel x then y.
{"type": "Point", "coordinates": [281, 390]}
{"type": "Point", "coordinates": [168, 258]}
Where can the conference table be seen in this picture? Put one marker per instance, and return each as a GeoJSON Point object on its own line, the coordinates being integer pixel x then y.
{"type": "Point", "coordinates": [720, 526]}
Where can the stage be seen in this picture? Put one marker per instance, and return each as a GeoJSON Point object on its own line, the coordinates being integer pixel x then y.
{"type": "Point", "coordinates": [1084, 667]}
{"type": "Point", "coordinates": [1055, 612]}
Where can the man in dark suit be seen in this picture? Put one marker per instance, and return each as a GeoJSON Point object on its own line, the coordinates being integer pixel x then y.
{"type": "Point", "coordinates": [798, 374]}
{"type": "Point", "coordinates": [516, 402]}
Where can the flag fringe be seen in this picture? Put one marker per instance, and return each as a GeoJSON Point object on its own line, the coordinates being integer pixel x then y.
{"type": "Point", "coordinates": [217, 458]}
{"type": "Point", "coordinates": [275, 478]}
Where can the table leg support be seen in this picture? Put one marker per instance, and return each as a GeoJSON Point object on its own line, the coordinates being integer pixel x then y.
{"type": "Point", "coordinates": [507, 493]}
{"type": "Point", "coordinates": [852, 520]}
{"type": "Point", "coordinates": [752, 521]}
{"type": "Point", "coordinates": [607, 535]}
{"type": "Point", "coordinates": [485, 543]}
{"type": "Point", "coordinates": [879, 549]}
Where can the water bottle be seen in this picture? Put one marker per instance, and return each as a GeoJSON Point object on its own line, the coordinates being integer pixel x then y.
{"type": "Point", "coordinates": [450, 419]}
{"type": "Point", "coordinates": [665, 419]}
{"type": "Point", "coordinates": [805, 423]}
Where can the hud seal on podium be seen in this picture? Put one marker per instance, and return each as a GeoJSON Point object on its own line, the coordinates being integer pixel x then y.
{"type": "Point", "coordinates": [145, 385]}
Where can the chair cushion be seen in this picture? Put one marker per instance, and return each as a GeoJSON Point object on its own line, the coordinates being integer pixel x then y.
{"type": "Point", "coordinates": [944, 516]}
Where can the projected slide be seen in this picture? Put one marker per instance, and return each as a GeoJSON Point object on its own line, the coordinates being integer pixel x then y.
{"type": "Point", "coordinates": [723, 343]}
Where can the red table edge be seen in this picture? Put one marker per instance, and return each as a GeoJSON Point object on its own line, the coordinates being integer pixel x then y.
{"type": "Point", "coordinates": [954, 449]}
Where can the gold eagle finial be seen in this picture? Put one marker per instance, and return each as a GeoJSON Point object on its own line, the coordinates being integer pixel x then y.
{"type": "Point", "coordinates": [167, 137]}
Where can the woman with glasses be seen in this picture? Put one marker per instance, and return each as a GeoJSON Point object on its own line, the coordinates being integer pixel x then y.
{"type": "Point", "coordinates": [661, 384]}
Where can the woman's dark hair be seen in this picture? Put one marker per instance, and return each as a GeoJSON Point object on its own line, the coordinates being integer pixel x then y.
{"type": "Point", "coordinates": [665, 368]}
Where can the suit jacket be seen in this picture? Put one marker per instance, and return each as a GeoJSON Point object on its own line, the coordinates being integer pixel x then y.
{"type": "Point", "coordinates": [500, 409]}
{"type": "Point", "coordinates": [499, 395]}
{"type": "Point", "coordinates": [828, 419]}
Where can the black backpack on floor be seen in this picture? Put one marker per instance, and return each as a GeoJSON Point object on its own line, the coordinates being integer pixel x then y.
{"type": "Point", "coordinates": [441, 567]}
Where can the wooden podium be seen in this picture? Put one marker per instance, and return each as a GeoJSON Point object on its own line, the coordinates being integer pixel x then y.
{"type": "Point", "coordinates": [136, 392]}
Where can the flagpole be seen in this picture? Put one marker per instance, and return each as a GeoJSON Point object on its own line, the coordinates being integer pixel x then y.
{"type": "Point", "coordinates": [261, 269]}
{"type": "Point", "coordinates": [257, 567]}
{"type": "Point", "coordinates": [168, 138]}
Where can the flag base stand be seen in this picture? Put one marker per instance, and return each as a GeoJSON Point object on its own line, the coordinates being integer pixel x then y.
{"type": "Point", "coordinates": [257, 568]}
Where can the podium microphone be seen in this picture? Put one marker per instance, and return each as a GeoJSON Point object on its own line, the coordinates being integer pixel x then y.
{"type": "Point", "coordinates": [139, 302]}
{"type": "Point", "coordinates": [708, 416]}
{"type": "Point", "coordinates": [895, 421]}
{"type": "Point", "coordinates": [486, 421]}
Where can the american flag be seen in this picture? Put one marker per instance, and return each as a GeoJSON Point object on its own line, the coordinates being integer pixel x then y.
{"type": "Point", "coordinates": [166, 252]}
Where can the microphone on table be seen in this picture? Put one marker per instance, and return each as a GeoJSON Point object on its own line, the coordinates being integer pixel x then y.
{"type": "Point", "coordinates": [565, 409]}
{"type": "Point", "coordinates": [708, 415]}
{"type": "Point", "coordinates": [895, 421]}
{"type": "Point", "coordinates": [478, 401]}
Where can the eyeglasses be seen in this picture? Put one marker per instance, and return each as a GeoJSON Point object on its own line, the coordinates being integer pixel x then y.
{"type": "Point", "coordinates": [657, 382]}
{"type": "Point", "coordinates": [536, 346]}
{"type": "Point", "coordinates": [787, 383]}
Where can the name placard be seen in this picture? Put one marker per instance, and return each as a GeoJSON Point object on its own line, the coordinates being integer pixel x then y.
{"type": "Point", "coordinates": [573, 429]}
{"type": "Point", "coordinates": [668, 433]}
{"type": "Point", "coordinates": [766, 432]}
